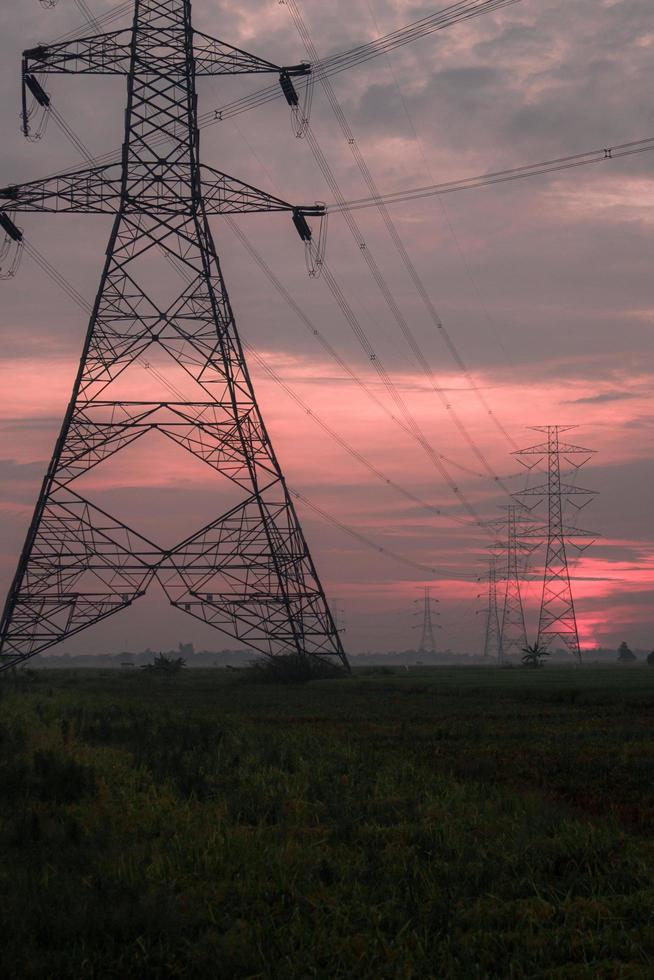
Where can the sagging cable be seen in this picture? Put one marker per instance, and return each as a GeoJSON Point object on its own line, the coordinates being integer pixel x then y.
{"type": "Point", "coordinates": [316, 248]}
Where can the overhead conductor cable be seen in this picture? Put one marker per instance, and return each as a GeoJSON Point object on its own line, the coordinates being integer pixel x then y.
{"type": "Point", "coordinates": [399, 245]}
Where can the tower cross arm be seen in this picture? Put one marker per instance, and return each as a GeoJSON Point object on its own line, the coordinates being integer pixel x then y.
{"type": "Point", "coordinates": [541, 532]}
{"type": "Point", "coordinates": [110, 54]}
{"type": "Point", "coordinates": [228, 195]}
{"type": "Point", "coordinates": [566, 489]}
{"type": "Point", "coordinates": [214, 57]}
{"type": "Point", "coordinates": [100, 54]}
{"type": "Point", "coordinates": [96, 190]}
{"type": "Point", "coordinates": [565, 448]}
{"type": "Point", "coordinates": [99, 190]}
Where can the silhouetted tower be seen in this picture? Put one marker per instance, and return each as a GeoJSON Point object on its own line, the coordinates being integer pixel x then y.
{"type": "Point", "coordinates": [338, 612]}
{"type": "Point", "coordinates": [248, 572]}
{"type": "Point", "coordinates": [493, 633]}
{"type": "Point", "coordinates": [557, 610]}
{"type": "Point", "coordinates": [427, 626]}
{"type": "Point", "coordinates": [513, 633]}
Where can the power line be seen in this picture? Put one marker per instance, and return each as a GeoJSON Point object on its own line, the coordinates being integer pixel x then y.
{"type": "Point", "coordinates": [317, 335]}
{"type": "Point", "coordinates": [368, 348]}
{"type": "Point", "coordinates": [400, 248]}
{"type": "Point", "coordinates": [355, 453]}
{"type": "Point", "coordinates": [97, 21]}
{"type": "Point", "coordinates": [453, 14]}
{"type": "Point", "coordinates": [450, 226]}
{"type": "Point", "coordinates": [392, 390]}
{"type": "Point", "coordinates": [408, 422]}
{"type": "Point", "coordinates": [361, 537]}
{"type": "Point", "coordinates": [85, 11]}
{"type": "Point", "coordinates": [571, 162]}
{"type": "Point", "coordinates": [448, 17]}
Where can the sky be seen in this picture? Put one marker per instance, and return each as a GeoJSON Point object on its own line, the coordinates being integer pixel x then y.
{"type": "Point", "coordinates": [543, 285]}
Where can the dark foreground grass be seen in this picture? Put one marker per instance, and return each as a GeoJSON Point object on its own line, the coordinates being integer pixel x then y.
{"type": "Point", "coordinates": [446, 823]}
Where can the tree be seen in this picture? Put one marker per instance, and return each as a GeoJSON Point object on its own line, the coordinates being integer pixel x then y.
{"type": "Point", "coordinates": [164, 666]}
{"type": "Point", "coordinates": [650, 659]}
{"type": "Point", "coordinates": [532, 655]}
{"type": "Point", "coordinates": [625, 655]}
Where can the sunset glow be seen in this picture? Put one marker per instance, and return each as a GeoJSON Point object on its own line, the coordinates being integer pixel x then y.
{"type": "Point", "coordinates": [544, 287]}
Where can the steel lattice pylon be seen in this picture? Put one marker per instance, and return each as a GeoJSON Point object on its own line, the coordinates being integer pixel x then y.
{"type": "Point", "coordinates": [557, 610]}
{"type": "Point", "coordinates": [493, 632]}
{"type": "Point", "coordinates": [248, 572]}
{"type": "Point", "coordinates": [513, 633]}
{"type": "Point", "coordinates": [427, 638]}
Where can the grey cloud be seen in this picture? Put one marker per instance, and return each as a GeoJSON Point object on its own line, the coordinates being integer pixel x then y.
{"type": "Point", "coordinates": [13, 472]}
{"type": "Point", "coordinates": [35, 424]}
{"type": "Point", "coordinates": [603, 397]}
{"type": "Point", "coordinates": [640, 422]}
{"type": "Point", "coordinates": [636, 598]}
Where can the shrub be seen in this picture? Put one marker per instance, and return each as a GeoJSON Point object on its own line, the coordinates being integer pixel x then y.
{"type": "Point", "coordinates": [290, 668]}
{"type": "Point", "coordinates": [164, 666]}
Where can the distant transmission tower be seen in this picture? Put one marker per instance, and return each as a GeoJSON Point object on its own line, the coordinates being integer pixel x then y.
{"type": "Point", "coordinates": [513, 633]}
{"type": "Point", "coordinates": [338, 613]}
{"type": "Point", "coordinates": [427, 626]}
{"type": "Point", "coordinates": [557, 610]}
{"type": "Point", "coordinates": [248, 572]}
{"type": "Point", "coordinates": [493, 633]}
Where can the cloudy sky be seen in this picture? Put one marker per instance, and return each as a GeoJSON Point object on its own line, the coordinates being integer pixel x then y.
{"type": "Point", "coordinates": [544, 286]}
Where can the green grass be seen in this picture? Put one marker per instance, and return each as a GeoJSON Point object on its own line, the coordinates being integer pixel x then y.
{"type": "Point", "coordinates": [447, 823]}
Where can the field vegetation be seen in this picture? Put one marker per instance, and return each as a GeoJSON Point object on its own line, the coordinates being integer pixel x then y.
{"type": "Point", "coordinates": [446, 823]}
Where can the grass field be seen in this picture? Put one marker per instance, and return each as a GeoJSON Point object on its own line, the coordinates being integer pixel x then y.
{"type": "Point", "coordinates": [447, 823]}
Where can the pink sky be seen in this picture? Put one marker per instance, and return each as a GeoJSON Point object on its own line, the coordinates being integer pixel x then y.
{"type": "Point", "coordinates": [545, 286]}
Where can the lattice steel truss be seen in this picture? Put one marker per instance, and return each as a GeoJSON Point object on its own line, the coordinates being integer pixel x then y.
{"type": "Point", "coordinates": [427, 625]}
{"type": "Point", "coordinates": [513, 632]}
{"type": "Point", "coordinates": [249, 572]}
{"type": "Point", "coordinates": [493, 632]}
{"type": "Point", "coordinates": [557, 610]}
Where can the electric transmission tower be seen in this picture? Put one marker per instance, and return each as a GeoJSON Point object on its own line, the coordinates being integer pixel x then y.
{"type": "Point", "coordinates": [427, 626]}
{"type": "Point", "coordinates": [248, 572]}
{"type": "Point", "coordinates": [557, 610]}
{"type": "Point", "coordinates": [513, 633]}
{"type": "Point", "coordinates": [493, 631]}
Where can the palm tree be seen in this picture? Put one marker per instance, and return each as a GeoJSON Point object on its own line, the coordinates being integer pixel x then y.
{"type": "Point", "coordinates": [533, 653]}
